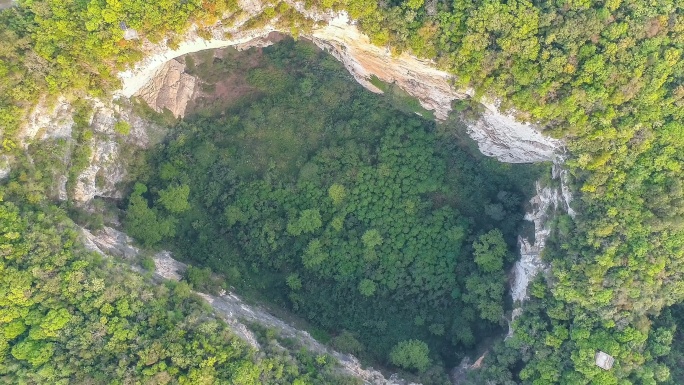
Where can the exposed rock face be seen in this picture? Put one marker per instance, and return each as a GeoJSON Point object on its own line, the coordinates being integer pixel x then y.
{"type": "Point", "coordinates": [109, 241]}
{"type": "Point", "coordinates": [7, 3]}
{"type": "Point", "coordinates": [4, 167]}
{"type": "Point", "coordinates": [46, 122]}
{"type": "Point", "coordinates": [497, 134]}
{"type": "Point", "coordinates": [530, 263]}
{"type": "Point", "coordinates": [547, 200]}
{"type": "Point", "coordinates": [106, 169]}
{"type": "Point", "coordinates": [460, 373]}
{"type": "Point", "coordinates": [501, 136]}
{"type": "Point", "coordinates": [363, 60]}
{"type": "Point", "coordinates": [231, 308]}
{"type": "Point", "coordinates": [170, 88]}
{"type": "Point", "coordinates": [135, 79]}
{"type": "Point", "coordinates": [101, 176]}
{"type": "Point", "coordinates": [131, 34]}
{"type": "Point", "coordinates": [163, 84]}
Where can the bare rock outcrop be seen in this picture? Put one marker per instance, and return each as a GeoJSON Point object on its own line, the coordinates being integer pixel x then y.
{"type": "Point", "coordinates": [544, 203]}
{"type": "Point", "coordinates": [498, 135]}
{"type": "Point", "coordinates": [109, 241]}
{"type": "Point", "coordinates": [510, 141]}
{"type": "Point", "coordinates": [170, 88]}
{"type": "Point", "coordinates": [106, 168]}
{"type": "Point", "coordinates": [7, 3]}
{"type": "Point", "coordinates": [48, 121]}
{"type": "Point", "coordinates": [161, 81]}
{"type": "Point", "coordinates": [102, 174]}
{"type": "Point", "coordinates": [420, 78]}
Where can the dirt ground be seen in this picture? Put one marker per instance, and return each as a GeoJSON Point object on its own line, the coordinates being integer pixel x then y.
{"type": "Point", "coordinates": [232, 84]}
{"type": "Point", "coordinates": [6, 3]}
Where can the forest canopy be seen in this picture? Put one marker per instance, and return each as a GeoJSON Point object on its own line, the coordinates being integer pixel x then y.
{"type": "Point", "coordinates": [68, 315]}
{"type": "Point", "coordinates": [364, 220]}
{"type": "Point", "coordinates": [605, 75]}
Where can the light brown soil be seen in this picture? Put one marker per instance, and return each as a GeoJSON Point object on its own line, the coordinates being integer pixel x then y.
{"type": "Point", "coordinates": [6, 4]}
{"type": "Point", "coordinates": [233, 86]}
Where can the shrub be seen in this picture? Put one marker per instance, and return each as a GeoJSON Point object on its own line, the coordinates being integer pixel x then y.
{"type": "Point", "coordinates": [411, 354]}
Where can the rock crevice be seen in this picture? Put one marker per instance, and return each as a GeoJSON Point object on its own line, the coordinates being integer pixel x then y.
{"type": "Point", "coordinates": [547, 201]}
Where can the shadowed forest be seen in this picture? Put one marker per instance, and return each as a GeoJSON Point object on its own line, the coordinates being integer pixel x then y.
{"type": "Point", "coordinates": [378, 227]}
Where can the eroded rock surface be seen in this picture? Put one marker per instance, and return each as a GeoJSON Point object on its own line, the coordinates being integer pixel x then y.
{"type": "Point", "coordinates": [498, 135]}
{"type": "Point", "coordinates": [544, 204]}
{"type": "Point", "coordinates": [170, 88]}
{"type": "Point", "coordinates": [109, 241]}
{"type": "Point", "coordinates": [48, 121]}
{"type": "Point", "coordinates": [106, 168]}
{"type": "Point", "coordinates": [510, 141]}
{"type": "Point", "coordinates": [364, 60]}
{"type": "Point", "coordinates": [530, 263]}
{"type": "Point", "coordinates": [7, 3]}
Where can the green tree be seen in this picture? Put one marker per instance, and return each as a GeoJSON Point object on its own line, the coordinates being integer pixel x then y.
{"type": "Point", "coordinates": [485, 289]}
{"type": "Point", "coordinates": [367, 287]}
{"type": "Point", "coordinates": [411, 355]}
{"type": "Point", "coordinates": [346, 342]}
{"type": "Point", "coordinates": [175, 198]}
{"type": "Point", "coordinates": [314, 255]}
{"type": "Point", "coordinates": [308, 222]}
{"type": "Point", "coordinates": [199, 278]}
{"type": "Point", "coordinates": [143, 222]}
{"type": "Point", "coordinates": [371, 238]}
{"type": "Point", "coordinates": [337, 193]}
{"type": "Point", "coordinates": [122, 127]}
{"type": "Point", "coordinates": [294, 282]}
{"type": "Point", "coordinates": [490, 251]}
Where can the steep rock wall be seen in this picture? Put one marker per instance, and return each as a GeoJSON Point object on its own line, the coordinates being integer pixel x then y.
{"type": "Point", "coordinates": [107, 168]}
{"type": "Point", "coordinates": [47, 121]}
{"type": "Point", "coordinates": [543, 205]}
{"type": "Point", "coordinates": [160, 81]}
{"type": "Point", "coordinates": [170, 88]}
{"type": "Point", "coordinates": [497, 134]}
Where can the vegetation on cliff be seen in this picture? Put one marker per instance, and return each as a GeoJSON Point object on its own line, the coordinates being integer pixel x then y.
{"type": "Point", "coordinates": [68, 315]}
{"type": "Point", "coordinates": [606, 75]}
{"type": "Point", "coordinates": [368, 222]}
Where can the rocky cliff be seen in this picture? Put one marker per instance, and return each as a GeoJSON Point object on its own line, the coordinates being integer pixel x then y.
{"type": "Point", "coordinates": [170, 88]}
{"type": "Point", "coordinates": [47, 121]}
{"type": "Point", "coordinates": [162, 83]}
{"type": "Point", "coordinates": [544, 204]}
{"type": "Point", "coordinates": [498, 134]}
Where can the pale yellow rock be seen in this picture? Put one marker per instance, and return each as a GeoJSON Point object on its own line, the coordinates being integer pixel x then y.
{"type": "Point", "coordinates": [170, 88]}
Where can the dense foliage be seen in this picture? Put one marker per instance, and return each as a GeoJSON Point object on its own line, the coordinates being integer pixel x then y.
{"type": "Point", "coordinates": [673, 355]}
{"type": "Point", "coordinates": [607, 75]}
{"type": "Point", "coordinates": [75, 48]}
{"type": "Point", "coordinates": [72, 316]}
{"type": "Point", "coordinates": [352, 214]}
